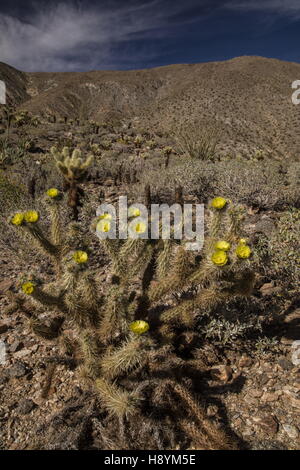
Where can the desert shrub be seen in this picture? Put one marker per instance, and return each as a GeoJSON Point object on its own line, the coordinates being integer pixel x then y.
{"type": "Point", "coordinates": [227, 333]}
{"type": "Point", "coordinates": [265, 345]}
{"type": "Point", "coordinates": [255, 184]}
{"type": "Point", "coordinates": [132, 332]}
{"type": "Point", "coordinates": [11, 153]}
{"type": "Point", "coordinates": [12, 196]}
{"type": "Point", "coordinates": [284, 248]}
{"type": "Point", "coordinates": [23, 118]}
{"type": "Point", "coordinates": [267, 186]}
{"type": "Point", "coordinates": [114, 165]}
{"type": "Point", "coordinates": [196, 178]}
{"type": "Point", "coordinates": [197, 141]}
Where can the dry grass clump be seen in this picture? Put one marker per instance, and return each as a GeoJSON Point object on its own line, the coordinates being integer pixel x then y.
{"type": "Point", "coordinates": [197, 141]}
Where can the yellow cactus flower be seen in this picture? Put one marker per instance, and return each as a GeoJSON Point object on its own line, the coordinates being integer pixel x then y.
{"type": "Point", "coordinates": [218, 203]}
{"type": "Point", "coordinates": [103, 226]}
{"type": "Point", "coordinates": [222, 245]}
{"type": "Point", "coordinates": [242, 241]}
{"type": "Point", "coordinates": [17, 219]}
{"type": "Point", "coordinates": [80, 257]}
{"type": "Point", "coordinates": [134, 212]}
{"type": "Point", "coordinates": [219, 258]}
{"type": "Point", "coordinates": [139, 327]}
{"type": "Point", "coordinates": [243, 251]}
{"type": "Point", "coordinates": [53, 192]}
{"type": "Point", "coordinates": [28, 287]}
{"type": "Point", "coordinates": [105, 217]}
{"type": "Point", "coordinates": [31, 217]}
{"type": "Point", "coordinates": [140, 227]}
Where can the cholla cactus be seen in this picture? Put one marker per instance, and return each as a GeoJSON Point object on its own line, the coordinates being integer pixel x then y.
{"type": "Point", "coordinates": [151, 144]}
{"type": "Point", "coordinates": [129, 329]}
{"type": "Point", "coordinates": [96, 149]}
{"type": "Point", "coordinates": [138, 141]}
{"type": "Point", "coordinates": [145, 155]}
{"type": "Point", "coordinates": [106, 144]}
{"type": "Point", "coordinates": [167, 151]}
{"type": "Point", "coordinates": [74, 168]}
{"type": "Point", "coordinates": [25, 118]}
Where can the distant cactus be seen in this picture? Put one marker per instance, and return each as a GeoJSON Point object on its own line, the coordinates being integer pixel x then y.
{"type": "Point", "coordinates": [138, 141]}
{"type": "Point", "coordinates": [96, 149]}
{"type": "Point", "coordinates": [74, 169]}
{"type": "Point", "coordinates": [151, 144]}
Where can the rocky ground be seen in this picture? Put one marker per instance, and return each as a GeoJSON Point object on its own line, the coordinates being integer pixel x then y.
{"type": "Point", "coordinates": [259, 397]}
{"type": "Point", "coordinates": [47, 405]}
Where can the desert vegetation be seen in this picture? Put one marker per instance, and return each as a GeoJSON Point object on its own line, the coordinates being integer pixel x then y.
{"type": "Point", "coordinates": [142, 344]}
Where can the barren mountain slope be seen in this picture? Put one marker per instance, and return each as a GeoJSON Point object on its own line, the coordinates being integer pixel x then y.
{"type": "Point", "coordinates": [247, 98]}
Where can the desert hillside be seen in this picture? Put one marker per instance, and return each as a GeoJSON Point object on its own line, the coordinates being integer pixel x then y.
{"type": "Point", "coordinates": [248, 99]}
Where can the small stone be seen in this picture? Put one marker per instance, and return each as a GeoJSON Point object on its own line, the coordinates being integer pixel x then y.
{"type": "Point", "coordinates": [5, 285]}
{"type": "Point", "coordinates": [245, 361]}
{"type": "Point", "coordinates": [221, 373]}
{"type": "Point", "coordinates": [286, 341]}
{"type": "Point", "coordinates": [266, 423]}
{"type": "Point", "coordinates": [285, 364]}
{"type": "Point", "coordinates": [270, 397]}
{"type": "Point", "coordinates": [255, 393]}
{"type": "Point", "coordinates": [26, 406]}
{"type": "Point", "coordinates": [17, 370]}
{"type": "Point", "coordinates": [269, 289]}
{"type": "Point", "coordinates": [22, 353]}
{"type": "Point", "coordinates": [295, 402]}
{"type": "Point", "coordinates": [16, 346]}
{"type": "Point", "coordinates": [212, 410]}
{"type": "Point", "coordinates": [3, 328]}
{"type": "Point", "coordinates": [3, 379]}
{"type": "Point", "coordinates": [264, 379]}
{"type": "Point", "coordinates": [291, 430]}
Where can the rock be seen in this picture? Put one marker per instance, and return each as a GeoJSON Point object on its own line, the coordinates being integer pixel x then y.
{"type": "Point", "coordinates": [16, 346]}
{"type": "Point", "coordinates": [5, 285]}
{"type": "Point", "coordinates": [212, 410]}
{"type": "Point", "coordinates": [3, 328]}
{"type": "Point", "coordinates": [108, 182]}
{"type": "Point", "coordinates": [245, 361]}
{"type": "Point", "coordinates": [266, 423]}
{"type": "Point", "coordinates": [17, 370]}
{"type": "Point", "coordinates": [295, 402]}
{"type": "Point", "coordinates": [295, 353]}
{"type": "Point", "coordinates": [221, 373]}
{"type": "Point", "coordinates": [255, 393]}
{"type": "Point", "coordinates": [3, 379]}
{"type": "Point", "coordinates": [286, 341]}
{"type": "Point", "coordinates": [270, 397]}
{"type": "Point", "coordinates": [23, 353]}
{"type": "Point", "coordinates": [293, 316]}
{"type": "Point", "coordinates": [285, 364]}
{"type": "Point", "coordinates": [26, 406]}
{"type": "Point", "coordinates": [291, 430]}
{"type": "Point", "coordinates": [264, 379]}
{"type": "Point", "coordinates": [269, 289]}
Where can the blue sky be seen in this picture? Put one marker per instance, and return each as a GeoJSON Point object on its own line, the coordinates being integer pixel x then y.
{"type": "Point", "coordinates": [129, 34]}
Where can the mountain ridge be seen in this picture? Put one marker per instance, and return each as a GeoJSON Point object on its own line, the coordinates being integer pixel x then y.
{"type": "Point", "coordinates": [247, 98]}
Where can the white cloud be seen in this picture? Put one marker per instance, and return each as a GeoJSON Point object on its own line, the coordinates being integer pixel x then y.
{"type": "Point", "coordinates": [281, 7]}
{"type": "Point", "coordinates": [68, 37]}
